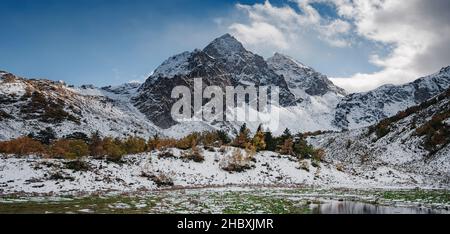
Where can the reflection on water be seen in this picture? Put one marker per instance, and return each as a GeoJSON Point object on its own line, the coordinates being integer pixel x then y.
{"type": "Point", "coordinates": [351, 207]}
{"type": "Point", "coordinates": [239, 201]}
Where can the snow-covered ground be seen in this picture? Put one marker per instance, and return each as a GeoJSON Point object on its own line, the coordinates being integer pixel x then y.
{"type": "Point", "coordinates": [107, 110]}
{"type": "Point", "coordinates": [33, 175]}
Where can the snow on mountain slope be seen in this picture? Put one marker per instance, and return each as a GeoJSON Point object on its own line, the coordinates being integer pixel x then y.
{"type": "Point", "coordinates": [363, 109]}
{"type": "Point", "coordinates": [224, 62]}
{"type": "Point", "coordinates": [244, 66]}
{"type": "Point", "coordinates": [413, 141]}
{"type": "Point", "coordinates": [175, 65]}
{"type": "Point", "coordinates": [309, 101]}
{"type": "Point", "coordinates": [27, 106]}
{"type": "Point", "coordinates": [301, 79]}
{"type": "Point", "coordinates": [316, 95]}
{"type": "Point", "coordinates": [309, 96]}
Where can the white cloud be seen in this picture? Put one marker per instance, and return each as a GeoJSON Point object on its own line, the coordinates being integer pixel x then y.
{"type": "Point", "coordinates": [415, 34]}
{"type": "Point", "coordinates": [281, 26]}
{"type": "Point", "coordinates": [260, 33]}
{"type": "Point", "coordinates": [418, 31]}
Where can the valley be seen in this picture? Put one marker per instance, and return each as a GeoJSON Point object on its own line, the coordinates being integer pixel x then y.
{"type": "Point", "coordinates": [116, 149]}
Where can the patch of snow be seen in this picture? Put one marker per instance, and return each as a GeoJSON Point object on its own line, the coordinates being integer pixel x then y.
{"type": "Point", "coordinates": [175, 65]}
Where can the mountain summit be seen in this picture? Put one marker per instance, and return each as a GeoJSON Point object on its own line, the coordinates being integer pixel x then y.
{"type": "Point", "coordinates": [225, 45]}
{"type": "Point", "coordinates": [309, 101]}
{"type": "Point", "coordinates": [224, 62]}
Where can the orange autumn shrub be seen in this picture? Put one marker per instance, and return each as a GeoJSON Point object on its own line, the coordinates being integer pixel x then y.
{"type": "Point", "coordinates": [23, 146]}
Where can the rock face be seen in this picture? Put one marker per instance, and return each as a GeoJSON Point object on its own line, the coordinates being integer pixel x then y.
{"type": "Point", "coordinates": [363, 109]}
{"type": "Point", "coordinates": [154, 96]}
{"type": "Point", "coordinates": [301, 78]}
{"type": "Point", "coordinates": [224, 62]}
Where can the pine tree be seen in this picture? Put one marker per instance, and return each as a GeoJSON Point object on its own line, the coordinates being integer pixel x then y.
{"type": "Point", "coordinates": [301, 147]}
{"type": "Point", "coordinates": [286, 134]}
{"type": "Point", "coordinates": [223, 137]}
{"type": "Point", "coordinates": [271, 143]}
{"type": "Point", "coordinates": [243, 128]}
{"type": "Point", "coordinates": [259, 128]}
{"type": "Point", "coordinates": [78, 136]}
{"type": "Point", "coordinates": [45, 136]}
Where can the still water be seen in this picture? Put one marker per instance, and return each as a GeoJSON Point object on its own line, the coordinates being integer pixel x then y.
{"type": "Point", "coordinates": [350, 207]}
{"type": "Point", "coordinates": [240, 201]}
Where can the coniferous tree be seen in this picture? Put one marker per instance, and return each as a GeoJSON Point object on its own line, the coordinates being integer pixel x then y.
{"type": "Point", "coordinates": [223, 137]}
{"type": "Point", "coordinates": [45, 136]}
{"type": "Point", "coordinates": [301, 148]}
{"type": "Point", "coordinates": [78, 136]}
{"type": "Point", "coordinates": [286, 134]}
{"type": "Point", "coordinates": [271, 142]}
{"type": "Point", "coordinates": [259, 128]}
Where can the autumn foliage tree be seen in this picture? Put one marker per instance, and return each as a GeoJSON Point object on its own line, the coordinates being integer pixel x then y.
{"type": "Point", "coordinates": [243, 137]}
{"type": "Point", "coordinates": [134, 145]}
{"type": "Point", "coordinates": [69, 149]}
{"type": "Point", "coordinates": [287, 147]}
{"type": "Point", "coordinates": [96, 145]}
{"type": "Point", "coordinates": [258, 140]}
{"type": "Point", "coordinates": [76, 145]}
{"type": "Point", "coordinates": [114, 149]}
{"type": "Point", "coordinates": [23, 146]}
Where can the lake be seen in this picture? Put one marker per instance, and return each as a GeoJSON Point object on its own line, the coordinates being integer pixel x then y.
{"type": "Point", "coordinates": [241, 200]}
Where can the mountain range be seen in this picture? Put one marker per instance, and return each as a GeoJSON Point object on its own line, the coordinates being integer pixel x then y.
{"type": "Point", "coordinates": [309, 101]}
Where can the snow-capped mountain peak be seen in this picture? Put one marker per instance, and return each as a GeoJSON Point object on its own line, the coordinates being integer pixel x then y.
{"type": "Point", "coordinates": [281, 58]}
{"type": "Point", "coordinates": [224, 45]}
{"type": "Point", "coordinates": [301, 78]}
{"type": "Point", "coordinates": [224, 62]}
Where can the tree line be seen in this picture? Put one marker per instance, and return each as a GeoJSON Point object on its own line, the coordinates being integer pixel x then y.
{"type": "Point", "coordinates": [76, 145]}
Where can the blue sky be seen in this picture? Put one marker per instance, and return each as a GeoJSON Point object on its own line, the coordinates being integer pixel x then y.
{"type": "Point", "coordinates": [111, 41]}
{"type": "Point", "coordinates": [100, 42]}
